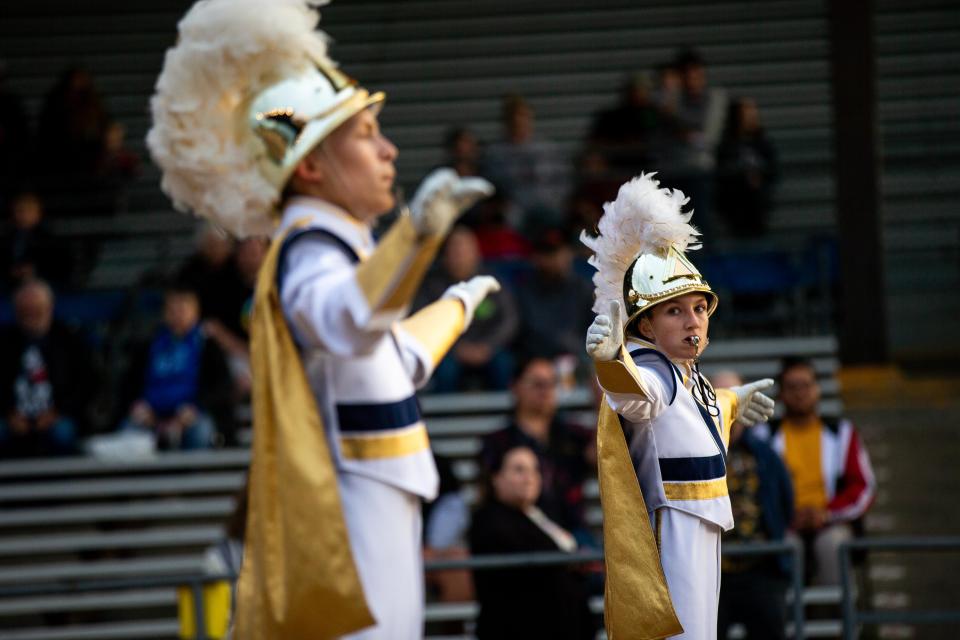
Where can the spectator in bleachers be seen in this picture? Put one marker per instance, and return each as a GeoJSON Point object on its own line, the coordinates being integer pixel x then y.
{"type": "Point", "coordinates": [496, 238]}
{"type": "Point", "coordinates": [70, 134]}
{"type": "Point", "coordinates": [554, 300]}
{"type": "Point", "coordinates": [669, 87]}
{"type": "Point", "coordinates": [542, 602]}
{"type": "Point", "coordinates": [209, 271]}
{"type": "Point", "coordinates": [15, 139]}
{"type": "Point", "coordinates": [225, 559]}
{"type": "Point", "coordinates": [29, 249]}
{"type": "Point", "coordinates": [832, 478]}
{"type": "Point", "coordinates": [446, 522]}
{"type": "Point", "coordinates": [227, 296]}
{"type": "Point", "coordinates": [689, 160]}
{"type": "Point", "coordinates": [529, 171]}
{"type": "Point", "coordinates": [566, 451]}
{"type": "Point", "coordinates": [226, 556]}
{"type": "Point", "coordinates": [178, 387]}
{"type": "Point", "coordinates": [462, 150]}
{"type": "Point", "coordinates": [597, 183]}
{"type": "Point", "coordinates": [625, 134]}
{"type": "Point", "coordinates": [229, 324]}
{"type": "Point", "coordinates": [117, 166]}
{"type": "Point", "coordinates": [480, 353]}
{"type": "Point", "coordinates": [753, 588]}
{"type": "Point", "coordinates": [48, 377]}
{"type": "Point", "coordinates": [746, 171]}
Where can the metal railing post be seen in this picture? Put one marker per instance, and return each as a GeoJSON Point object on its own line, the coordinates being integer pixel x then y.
{"type": "Point", "coordinates": [796, 577]}
{"type": "Point", "coordinates": [200, 618]}
{"type": "Point", "coordinates": [847, 603]}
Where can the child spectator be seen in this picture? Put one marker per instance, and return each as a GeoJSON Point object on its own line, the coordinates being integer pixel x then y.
{"type": "Point", "coordinates": [179, 386]}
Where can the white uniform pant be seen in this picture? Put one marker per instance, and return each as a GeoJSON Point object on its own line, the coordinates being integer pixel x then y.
{"type": "Point", "coordinates": [690, 556]}
{"type": "Point", "coordinates": [384, 524]}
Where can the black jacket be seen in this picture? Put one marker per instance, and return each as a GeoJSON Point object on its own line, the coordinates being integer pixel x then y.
{"type": "Point", "coordinates": [70, 367]}
{"type": "Point", "coordinates": [538, 602]}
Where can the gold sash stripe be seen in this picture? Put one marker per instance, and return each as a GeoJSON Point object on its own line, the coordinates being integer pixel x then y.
{"type": "Point", "coordinates": [700, 490]}
{"type": "Point", "coordinates": [400, 442]}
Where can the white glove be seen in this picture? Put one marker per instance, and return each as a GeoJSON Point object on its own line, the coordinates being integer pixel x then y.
{"type": "Point", "coordinates": [753, 407]}
{"type": "Point", "coordinates": [471, 293]}
{"type": "Point", "coordinates": [442, 197]}
{"type": "Point", "coordinates": [605, 335]}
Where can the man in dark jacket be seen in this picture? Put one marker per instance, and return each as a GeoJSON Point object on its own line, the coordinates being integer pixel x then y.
{"type": "Point", "coordinates": [753, 588]}
{"type": "Point", "coordinates": [179, 386]}
{"type": "Point", "coordinates": [566, 452]}
{"type": "Point", "coordinates": [47, 376]}
{"type": "Point", "coordinates": [481, 352]}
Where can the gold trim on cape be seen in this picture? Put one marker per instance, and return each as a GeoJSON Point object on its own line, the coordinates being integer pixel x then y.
{"type": "Point", "coordinates": [298, 580]}
{"type": "Point", "coordinates": [637, 603]}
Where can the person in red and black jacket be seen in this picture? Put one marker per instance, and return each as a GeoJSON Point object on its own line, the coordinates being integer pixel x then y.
{"type": "Point", "coordinates": [828, 463]}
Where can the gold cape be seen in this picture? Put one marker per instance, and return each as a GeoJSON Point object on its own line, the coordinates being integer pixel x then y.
{"type": "Point", "coordinates": [298, 579]}
{"type": "Point", "coordinates": [637, 604]}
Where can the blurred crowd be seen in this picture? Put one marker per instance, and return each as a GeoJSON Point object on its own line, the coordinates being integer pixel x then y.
{"type": "Point", "coordinates": [670, 120]}
{"type": "Point", "coordinates": [75, 158]}
{"type": "Point", "coordinates": [186, 372]}
{"type": "Point", "coordinates": [74, 162]}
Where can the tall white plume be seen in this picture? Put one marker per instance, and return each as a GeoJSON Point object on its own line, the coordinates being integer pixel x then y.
{"type": "Point", "coordinates": [226, 53]}
{"type": "Point", "coordinates": [643, 219]}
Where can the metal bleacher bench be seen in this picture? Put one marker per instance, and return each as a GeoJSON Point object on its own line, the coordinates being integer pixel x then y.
{"type": "Point", "coordinates": [80, 519]}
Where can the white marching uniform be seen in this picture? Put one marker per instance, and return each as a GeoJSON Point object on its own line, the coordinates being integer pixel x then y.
{"type": "Point", "coordinates": [364, 370]}
{"type": "Point", "coordinates": [678, 450]}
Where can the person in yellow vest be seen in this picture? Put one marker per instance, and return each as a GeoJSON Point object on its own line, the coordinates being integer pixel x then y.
{"type": "Point", "coordinates": [833, 480]}
{"type": "Point", "coordinates": [256, 129]}
{"type": "Point", "coordinates": [653, 311]}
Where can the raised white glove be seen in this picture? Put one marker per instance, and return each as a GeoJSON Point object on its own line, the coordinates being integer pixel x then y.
{"type": "Point", "coordinates": [471, 293]}
{"type": "Point", "coordinates": [442, 197]}
{"type": "Point", "coordinates": [605, 335]}
{"type": "Point", "coordinates": [753, 407]}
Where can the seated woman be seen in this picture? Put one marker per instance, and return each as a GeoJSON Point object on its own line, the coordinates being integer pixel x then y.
{"type": "Point", "coordinates": [526, 602]}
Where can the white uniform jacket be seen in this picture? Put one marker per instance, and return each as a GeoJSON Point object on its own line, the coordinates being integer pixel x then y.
{"type": "Point", "coordinates": [363, 367]}
{"type": "Point", "coordinates": [678, 448]}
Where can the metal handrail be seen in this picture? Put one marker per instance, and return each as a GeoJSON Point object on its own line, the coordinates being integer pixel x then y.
{"type": "Point", "coordinates": [196, 582]}
{"type": "Point", "coordinates": [853, 617]}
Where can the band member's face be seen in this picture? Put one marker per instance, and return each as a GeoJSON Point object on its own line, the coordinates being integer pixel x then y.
{"type": "Point", "coordinates": [357, 167]}
{"type": "Point", "coordinates": [671, 324]}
